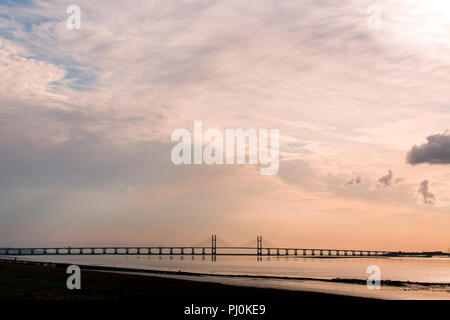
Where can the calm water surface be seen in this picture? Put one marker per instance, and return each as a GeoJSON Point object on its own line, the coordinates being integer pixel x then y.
{"type": "Point", "coordinates": [435, 270]}
{"type": "Point", "coordinates": [403, 269]}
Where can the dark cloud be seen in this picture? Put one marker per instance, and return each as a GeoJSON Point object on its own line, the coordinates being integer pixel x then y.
{"type": "Point", "coordinates": [426, 195]}
{"type": "Point", "coordinates": [435, 151]}
{"type": "Point", "coordinates": [356, 180]}
{"type": "Point", "coordinates": [386, 180]}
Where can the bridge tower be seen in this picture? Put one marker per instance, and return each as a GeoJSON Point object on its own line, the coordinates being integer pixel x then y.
{"type": "Point", "coordinates": [259, 245]}
{"type": "Point", "coordinates": [213, 244]}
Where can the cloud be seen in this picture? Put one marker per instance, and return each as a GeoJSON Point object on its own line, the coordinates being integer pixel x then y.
{"type": "Point", "coordinates": [299, 173]}
{"type": "Point", "coordinates": [426, 196]}
{"type": "Point", "coordinates": [399, 180]}
{"type": "Point", "coordinates": [386, 180]}
{"type": "Point", "coordinates": [356, 180]}
{"type": "Point", "coordinates": [435, 151]}
{"type": "Point", "coordinates": [22, 77]}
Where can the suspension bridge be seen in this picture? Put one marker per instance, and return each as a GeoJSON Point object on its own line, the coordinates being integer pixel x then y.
{"type": "Point", "coordinates": [211, 249]}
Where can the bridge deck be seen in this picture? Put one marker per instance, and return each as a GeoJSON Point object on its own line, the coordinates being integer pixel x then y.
{"type": "Point", "coordinates": [191, 250]}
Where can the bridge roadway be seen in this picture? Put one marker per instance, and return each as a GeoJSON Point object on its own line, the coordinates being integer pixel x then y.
{"type": "Point", "coordinates": [191, 250]}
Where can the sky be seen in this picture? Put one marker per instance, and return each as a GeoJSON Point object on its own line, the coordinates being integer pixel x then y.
{"type": "Point", "coordinates": [363, 113]}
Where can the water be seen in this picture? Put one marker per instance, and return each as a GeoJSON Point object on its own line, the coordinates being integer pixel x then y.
{"type": "Point", "coordinates": [428, 270]}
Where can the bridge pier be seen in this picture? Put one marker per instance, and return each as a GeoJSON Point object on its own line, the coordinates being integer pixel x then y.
{"type": "Point", "coordinates": [203, 251]}
{"type": "Point", "coordinates": [304, 252]}
{"type": "Point", "coordinates": [321, 252]}
{"type": "Point", "coordinates": [268, 251]}
{"type": "Point", "coordinates": [193, 252]}
{"type": "Point", "coordinates": [171, 251]}
{"type": "Point", "coordinates": [295, 252]}
{"type": "Point", "coordinates": [278, 252]}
